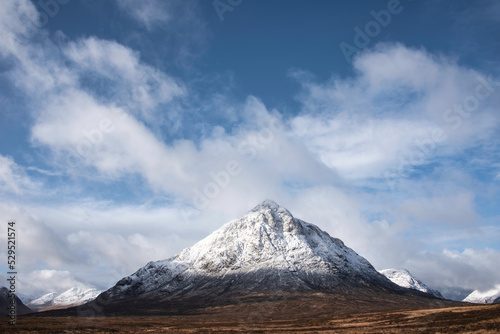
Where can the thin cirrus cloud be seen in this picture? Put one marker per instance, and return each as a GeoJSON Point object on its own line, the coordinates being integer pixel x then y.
{"type": "Point", "coordinates": [139, 87]}
{"type": "Point", "coordinates": [150, 13]}
{"type": "Point", "coordinates": [179, 21]}
{"type": "Point", "coordinates": [12, 177]}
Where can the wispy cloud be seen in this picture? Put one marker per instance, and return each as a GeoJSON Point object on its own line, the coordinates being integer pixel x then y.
{"type": "Point", "coordinates": [150, 13]}
{"type": "Point", "coordinates": [404, 108]}
{"type": "Point", "coordinates": [458, 268]}
{"type": "Point", "coordinates": [181, 23]}
{"type": "Point", "coordinates": [40, 282]}
{"type": "Point", "coordinates": [14, 180]}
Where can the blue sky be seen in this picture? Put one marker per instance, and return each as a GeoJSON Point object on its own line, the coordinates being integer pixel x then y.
{"type": "Point", "coordinates": [130, 130]}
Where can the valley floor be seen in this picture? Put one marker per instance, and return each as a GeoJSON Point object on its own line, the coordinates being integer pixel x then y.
{"type": "Point", "coordinates": [464, 319]}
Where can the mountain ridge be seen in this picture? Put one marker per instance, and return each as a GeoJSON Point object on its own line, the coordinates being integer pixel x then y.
{"type": "Point", "coordinates": [71, 297]}
{"type": "Point", "coordinates": [491, 296]}
{"type": "Point", "coordinates": [405, 279]}
{"type": "Point", "coordinates": [265, 257]}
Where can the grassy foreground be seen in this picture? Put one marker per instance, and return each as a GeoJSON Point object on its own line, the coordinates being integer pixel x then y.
{"type": "Point", "coordinates": [464, 319]}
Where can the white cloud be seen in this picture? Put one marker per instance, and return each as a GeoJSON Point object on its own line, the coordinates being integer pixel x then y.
{"type": "Point", "coordinates": [150, 13]}
{"type": "Point", "coordinates": [359, 147]}
{"type": "Point", "coordinates": [13, 178]}
{"type": "Point", "coordinates": [113, 241]}
{"type": "Point", "coordinates": [125, 254]}
{"type": "Point", "coordinates": [104, 57]}
{"type": "Point", "coordinates": [37, 69]}
{"type": "Point", "coordinates": [399, 107]}
{"type": "Point", "coordinates": [72, 120]}
{"type": "Point", "coordinates": [81, 131]}
{"type": "Point", "coordinates": [38, 241]}
{"type": "Point", "coordinates": [455, 210]}
{"type": "Point", "coordinates": [40, 282]}
{"type": "Point", "coordinates": [394, 66]}
{"type": "Point", "coordinates": [139, 87]}
{"type": "Point", "coordinates": [452, 268]}
{"type": "Point", "coordinates": [15, 19]}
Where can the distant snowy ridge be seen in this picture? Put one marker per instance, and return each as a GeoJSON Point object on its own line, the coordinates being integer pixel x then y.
{"type": "Point", "coordinates": [486, 297]}
{"type": "Point", "coordinates": [71, 297]}
{"type": "Point", "coordinates": [405, 279]}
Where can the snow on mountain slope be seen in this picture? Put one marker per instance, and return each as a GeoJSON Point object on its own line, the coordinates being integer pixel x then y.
{"type": "Point", "coordinates": [45, 299]}
{"type": "Point", "coordinates": [71, 297]}
{"type": "Point", "coordinates": [75, 295]}
{"type": "Point", "coordinates": [265, 250]}
{"type": "Point", "coordinates": [486, 297]}
{"type": "Point", "coordinates": [405, 279]}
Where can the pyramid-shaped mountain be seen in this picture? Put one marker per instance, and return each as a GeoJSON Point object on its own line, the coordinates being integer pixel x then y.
{"type": "Point", "coordinates": [266, 250]}
{"type": "Point", "coordinates": [266, 255]}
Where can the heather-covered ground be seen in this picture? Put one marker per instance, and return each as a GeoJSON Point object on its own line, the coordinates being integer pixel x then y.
{"type": "Point", "coordinates": [464, 319]}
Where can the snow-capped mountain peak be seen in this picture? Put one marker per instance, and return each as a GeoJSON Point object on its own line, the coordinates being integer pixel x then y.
{"type": "Point", "coordinates": [70, 297]}
{"type": "Point", "coordinates": [267, 237]}
{"type": "Point", "coordinates": [484, 297]}
{"type": "Point", "coordinates": [76, 295]}
{"type": "Point", "coordinates": [266, 249]}
{"type": "Point", "coordinates": [47, 298]}
{"type": "Point", "coordinates": [405, 279]}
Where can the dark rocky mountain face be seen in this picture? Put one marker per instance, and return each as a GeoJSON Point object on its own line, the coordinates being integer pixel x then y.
{"type": "Point", "coordinates": [5, 300]}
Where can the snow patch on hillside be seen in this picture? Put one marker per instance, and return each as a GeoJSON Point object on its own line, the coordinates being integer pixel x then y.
{"type": "Point", "coordinates": [484, 297]}
{"type": "Point", "coordinates": [71, 297]}
{"type": "Point", "coordinates": [405, 279]}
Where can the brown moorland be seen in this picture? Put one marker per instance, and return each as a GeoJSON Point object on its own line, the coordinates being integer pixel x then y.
{"type": "Point", "coordinates": [273, 317]}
